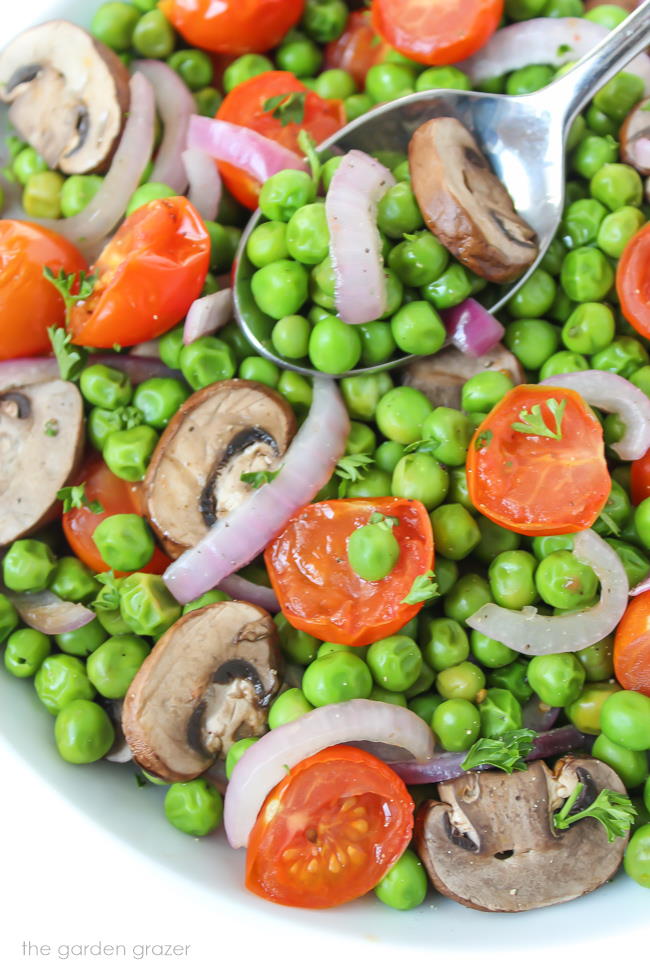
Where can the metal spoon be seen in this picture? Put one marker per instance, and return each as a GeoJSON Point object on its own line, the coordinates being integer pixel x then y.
{"type": "Point", "coordinates": [523, 137]}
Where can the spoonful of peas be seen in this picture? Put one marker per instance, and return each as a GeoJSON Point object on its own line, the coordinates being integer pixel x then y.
{"type": "Point", "coordinates": [523, 138]}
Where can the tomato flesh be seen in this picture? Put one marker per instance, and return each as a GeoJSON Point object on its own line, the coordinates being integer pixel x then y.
{"type": "Point", "coordinates": [437, 31]}
{"type": "Point", "coordinates": [632, 646]}
{"type": "Point", "coordinates": [536, 485]}
{"type": "Point", "coordinates": [358, 48]}
{"type": "Point", "coordinates": [640, 479]}
{"type": "Point", "coordinates": [329, 830]}
{"type": "Point", "coordinates": [233, 26]}
{"type": "Point", "coordinates": [633, 282]}
{"type": "Point", "coordinates": [148, 275]}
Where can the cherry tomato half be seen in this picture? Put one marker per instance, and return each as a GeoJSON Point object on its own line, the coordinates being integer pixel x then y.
{"type": "Point", "coordinates": [329, 831]}
{"type": "Point", "coordinates": [233, 26]}
{"type": "Point", "coordinates": [29, 304]}
{"type": "Point", "coordinates": [245, 106]}
{"type": "Point", "coordinates": [632, 646]}
{"type": "Point", "coordinates": [633, 282]}
{"type": "Point", "coordinates": [117, 498]}
{"type": "Point", "coordinates": [536, 484]}
{"type": "Point", "coordinates": [358, 48]}
{"type": "Point", "coordinates": [317, 588]}
{"type": "Point", "coordinates": [437, 31]}
{"type": "Point", "coordinates": [148, 276]}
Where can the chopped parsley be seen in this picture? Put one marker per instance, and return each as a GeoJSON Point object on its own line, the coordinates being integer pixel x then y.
{"type": "Point", "coordinates": [506, 753]}
{"type": "Point", "coordinates": [534, 424]}
{"type": "Point", "coordinates": [257, 478]}
{"type": "Point", "coordinates": [70, 361]}
{"type": "Point", "coordinates": [75, 497]}
{"type": "Point", "coordinates": [287, 108]}
{"type": "Point", "coordinates": [615, 811]}
{"type": "Point", "coordinates": [351, 469]}
{"type": "Point", "coordinates": [424, 587]}
{"type": "Point", "coordinates": [82, 283]}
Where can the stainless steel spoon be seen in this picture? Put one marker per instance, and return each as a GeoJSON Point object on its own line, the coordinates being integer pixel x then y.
{"type": "Point", "coordinates": [524, 138]}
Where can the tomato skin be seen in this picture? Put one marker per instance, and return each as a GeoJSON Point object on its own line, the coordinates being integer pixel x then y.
{"type": "Point", "coordinates": [536, 485]}
{"type": "Point", "coordinates": [117, 498]}
{"type": "Point", "coordinates": [632, 646]}
{"type": "Point", "coordinates": [640, 479]}
{"type": "Point", "coordinates": [358, 48]}
{"type": "Point", "coordinates": [633, 282]}
{"type": "Point", "coordinates": [437, 31]}
{"type": "Point", "coordinates": [318, 590]}
{"type": "Point", "coordinates": [311, 816]}
{"type": "Point", "coordinates": [244, 105]}
{"type": "Point", "coordinates": [233, 26]}
{"type": "Point", "coordinates": [149, 274]}
{"type": "Point", "coordinates": [29, 304]}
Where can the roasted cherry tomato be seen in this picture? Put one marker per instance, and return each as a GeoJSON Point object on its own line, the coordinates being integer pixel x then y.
{"type": "Point", "coordinates": [233, 26]}
{"type": "Point", "coordinates": [358, 48]}
{"type": "Point", "coordinates": [632, 646]}
{"type": "Point", "coordinates": [317, 588]}
{"type": "Point", "coordinates": [148, 275]}
{"type": "Point", "coordinates": [329, 831]}
{"type": "Point", "coordinates": [117, 498]}
{"type": "Point", "coordinates": [640, 479]}
{"type": "Point", "coordinates": [29, 304]}
{"type": "Point", "coordinates": [549, 479]}
{"type": "Point", "coordinates": [245, 106]}
{"type": "Point", "coordinates": [436, 31]}
{"type": "Point", "coordinates": [633, 282]}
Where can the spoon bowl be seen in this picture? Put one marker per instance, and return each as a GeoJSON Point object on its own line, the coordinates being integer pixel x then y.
{"type": "Point", "coordinates": [524, 139]}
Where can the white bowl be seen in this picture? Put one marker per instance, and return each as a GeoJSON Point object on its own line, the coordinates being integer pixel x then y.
{"type": "Point", "coordinates": [107, 794]}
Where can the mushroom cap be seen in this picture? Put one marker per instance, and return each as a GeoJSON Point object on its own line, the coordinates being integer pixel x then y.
{"type": "Point", "coordinates": [194, 476]}
{"type": "Point", "coordinates": [490, 843]}
{"type": "Point", "coordinates": [464, 203]}
{"type": "Point", "coordinates": [441, 376]}
{"type": "Point", "coordinates": [68, 93]}
{"type": "Point", "coordinates": [207, 683]}
{"type": "Point", "coordinates": [35, 463]}
{"type": "Point", "coordinates": [635, 138]}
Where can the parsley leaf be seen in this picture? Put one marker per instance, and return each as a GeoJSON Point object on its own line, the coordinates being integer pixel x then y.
{"type": "Point", "coordinates": [51, 428]}
{"type": "Point", "coordinates": [257, 478]}
{"type": "Point", "coordinates": [64, 283]}
{"type": "Point", "coordinates": [484, 440]}
{"type": "Point", "coordinates": [287, 108]}
{"type": "Point", "coordinates": [109, 595]}
{"type": "Point", "coordinates": [141, 781]}
{"type": "Point", "coordinates": [308, 146]}
{"type": "Point", "coordinates": [506, 753]}
{"type": "Point", "coordinates": [130, 416]}
{"type": "Point", "coordinates": [534, 424]}
{"type": "Point", "coordinates": [422, 446]}
{"type": "Point", "coordinates": [563, 49]}
{"type": "Point", "coordinates": [71, 362]}
{"type": "Point", "coordinates": [75, 497]}
{"type": "Point", "coordinates": [615, 811]}
{"type": "Point", "coordinates": [350, 469]}
{"type": "Point", "coordinates": [610, 524]}
{"type": "Point", "coordinates": [424, 587]}
{"type": "Point", "coordinates": [386, 522]}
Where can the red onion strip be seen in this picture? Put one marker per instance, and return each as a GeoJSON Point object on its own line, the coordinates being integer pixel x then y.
{"type": "Point", "coordinates": [539, 716]}
{"type": "Point", "coordinates": [535, 635]}
{"type": "Point", "coordinates": [235, 144]}
{"type": "Point", "coordinates": [642, 587]}
{"type": "Point", "coordinates": [249, 592]}
{"type": "Point", "coordinates": [355, 245]}
{"type": "Point", "coordinates": [265, 763]}
{"type": "Point", "coordinates": [472, 329]}
{"type": "Point", "coordinates": [236, 540]}
{"type": "Point", "coordinates": [107, 207]}
{"type": "Point", "coordinates": [205, 187]}
{"type": "Point", "coordinates": [207, 315]}
{"type": "Point", "coordinates": [614, 394]}
{"type": "Point", "coordinates": [45, 612]}
{"type": "Point", "coordinates": [175, 104]}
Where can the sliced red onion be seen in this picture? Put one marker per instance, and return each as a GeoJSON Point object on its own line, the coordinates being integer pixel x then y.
{"type": "Point", "coordinates": [544, 40]}
{"type": "Point", "coordinates": [107, 207]}
{"type": "Point", "coordinates": [614, 394]}
{"type": "Point", "coordinates": [539, 716]}
{"type": "Point", "coordinates": [45, 612]}
{"type": "Point", "coordinates": [26, 372]}
{"type": "Point", "coordinates": [137, 367]}
{"type": "Point", "coordinates": [249, 592]}
{"type": "Point", "coordinates": [447, 765]}
{"type": "Point", "coordinates": [643, 586]}
{"type": "Point", "coordinates": [472, 329]}
{"type": "Point", "coordinates": [207, 315]}
{"type": "Point", "coordinates": [535, 635]}
{"type": "Point", "coordinates": [234, 541]}
{"type": "Point", "coordinates": [175, 104]}
{"type": "Point", "coordinates": [235, 144]}
{"type": "Point", "coordinates": [205, 186]}
{"type": "Point", "coordinates": [355, 245]}
{"type": "Point", "coordinates": [147, 350]}
{"type": "Point", "coordinates": [265, 763]}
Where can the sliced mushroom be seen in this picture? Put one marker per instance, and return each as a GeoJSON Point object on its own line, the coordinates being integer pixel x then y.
{"type": "Point", "coordinates": [41, 438]}
{"type": "Point", "coordinates": [207, 683]}
{"type": "Point", "coordinates": [465, 205]}
{"type": "Point", "coordinates": [194, 478]}
{"type": "Point", "coordinates": [490, 843]}
{"type": "Point", "coordinates": [635, 138]}
{"type": "Point", "coordinates": [68, 93]}
{"type": "Point", "coordinates": [441, 376]}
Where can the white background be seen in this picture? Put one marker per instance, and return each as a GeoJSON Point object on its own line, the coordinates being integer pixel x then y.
{"type": "Point", "coordinates": [65, 882]}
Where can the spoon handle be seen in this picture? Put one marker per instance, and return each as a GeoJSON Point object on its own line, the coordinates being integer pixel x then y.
{"type": "Point", "coordinates": [574, 89]}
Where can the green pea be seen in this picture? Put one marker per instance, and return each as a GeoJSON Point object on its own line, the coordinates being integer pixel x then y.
{"type": "Point", "coordinates": [290, 336]}
{"type": "Point", "coordinates": [385, 82]}
{"type": "Point", "coordinates": [589, 329]}
{"type": "Point", "coordinates": [388, 697]}
{"type": "Point", "coordinates": [83, 732]}
{"type": "Point", "coordinates": [597, 660]}
{"type": "Point", "coordinates": [641, 378]}
{"type": "Point", "coordinates": [490, 653]}
{"type": "Point", "coordinates": [561, 307]}
{"type": "Point", "coordinates": [495, 540]}
{"type": "Point", "coordinates": [524, 9]}
{"type": "Point", "coordinates": [425, 681]}
{"type": "Point", "coordinates": [552, 261]}
{"type": "Point", "coordinates": [285, 193]}
{"type": "Point", "coordinates": [404, 886]}
{"type": "Point", "coordinates": [443, 77]}
{"type": "Point", "coordinates": [617, 510]}
{"type": "Point", "coordinates": [532, 340]}
{"type": "Point", "coordinates": [617, 185]}
{"type": "Point", "coordinates": [361, 439]}
{"type": "Point", "coordinates": [535, 296]}
{"type": "Point", "coordinates": [326, 648]}
{"type": "Point", "coordinates": [362, 394]}
{"type": "Point", "coordinates": [500, 712]}
{"type": "Point", "coordinates": [153, 36]}
{"type": "Point", "coordinates": [529, 79]}
{"type": "Point", "coordinates": [77, 192]}
{"type": "Point", "coordinates": [456, 724]}
{"type": "Point", "coordinates": [625, 719]}
{"type": "Point", "coordinates": [114, 664]}
{"type": "Point", "coordinates": [581, 222]}
{"type": "Point", "coordinates": [308, 234]}
{"type": "Point", "coordinates": [451, 288]}
{"type": "Point", "coordinates": [127, 452]}
{"type": "Point", "coordinates": [334, 346]}
{"type": "Point", "coordinates": [194, 67]}
{"type": "Point", "coordinates": [586, 711]}
{"type": "Point", "coordinates": [618, 228]}
{"type": "Point", "coordinates": [623, 356]}
{"type": "Point", "coordinates": [632, 767]}
{"type": "Point", "coordinates": [296, 645]}
{"type": "Point", "coordinates": [146, 193]}
{"type": "Point", "coordinates": [512, 579]}
{"type": "Point", "coordinates": [73, 581]}
{"type": "Point", "coordinates": [466, 597]}
{"type": "Point", "coordinates": [60, 680]}
{"type": "Point", "coordinates": [601, 124]}
{"type": "Point", "coordinates": [258, 370]}
{"type": "Point", "coordinates": [27, 163]}
{"type": "Point", "coordinates": [170, 347]}
{"type": "Point", "coordinates": [418, 329]}
{"type": "Point", "coordinates": [422, 478]}
{"type": "Point", "coordinates": [373, 551]}
{"type": "Point", "coordinates": [608, 14]}
{"type": "Point", "coordinates": [296, 390]}
{"type": "Point", "coordinates": [82, 641]}
{"type": "Point", "coordinates": [208, 101]}
{"type": "Point", "coordinates": [205, 361]}
{"type": "Point", "coordinates": [619, 96]}
{"type": "Point", "coordinates": [424, 705]}
{"type": "Point", "coordinates": [564, 582]}
{"type": "Point", "coordinates": [563, 362]}
{"type": "Point", "coordinates": [287, 707]}
{"type": "Point", "coordinates": [325, 20]}
{"type": "Point", "coordinates": [637, 856]}
{"type": "Point", "coordinates": [449, 432]}
{"type": "Point", "coordinates": [395, 662]}
{"type": "Point", "coordinates": [146, 605]}
{"type": "Point", "coordinates": [444, 643]}
{"type": "Point", "coordinates": [335, 678]}
{"type": "Point", "coordinates": [300, 56]}
{"type": "Point", "coordinates": [513, 677]}
{"type": "Point", "coordinates": [635, 563]}
{"type": "Point", "coordinates": [329, 168]}
{"type": "Point", "coordinates": [28, 566]}
{"type": "Point", "coordinates": [556, 678]}
{"type": "Point", "coordinates": [419, 260]}
{"type": "Point", "coordinates": [25, 652]}
{"type": "Point", "coordinates": [113, 24]}
{"type": "Point", "coordinates": [464, 680]}
{"type": "Point", "coordinates": [401, 413]}
{"type": "Point", "coordinates": [335, 83]}
{"type": "Point", "coordinates": [578, 129]}
{"type": "Point", "coordinates": [280, 288]}
{"type": "Point", "coordinates": [8, 617]}
{"type": "Point", "coordinates": [42, 196]}
{"type": "Point", "coordinates": [194, 807]}
{"type": "Point", "coordinates": [208, 598]}
{"type": "Point", "coordinates": [100, 423]}
{"type": "Point", "coordinates": [224, 243]}
{"type": "Point", "coordinates": [268, 243]}
{"type": "Point", "coordinates": [594, 152]}
{"type": "Point", "coordinates": [398, 212]}
{"type": "Point", "coordinates": [105, 387]}
{"type": "Point", "coordinates": [357, 105]}
{"type": "Point", "coordinates": [387, 456]}
{"type": "Point", "coordinates": [564, 8]}
{"type": "Point", "coordinates": [482, 392]}
{"type": "Point", "coordinates": [235, 752]}
{"type": "Point", "coordinates": [158, 400]}
{"type": "Point", "coordinates": [455, 531]}
{"type": "Point", "coordinates": [458, 489]}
